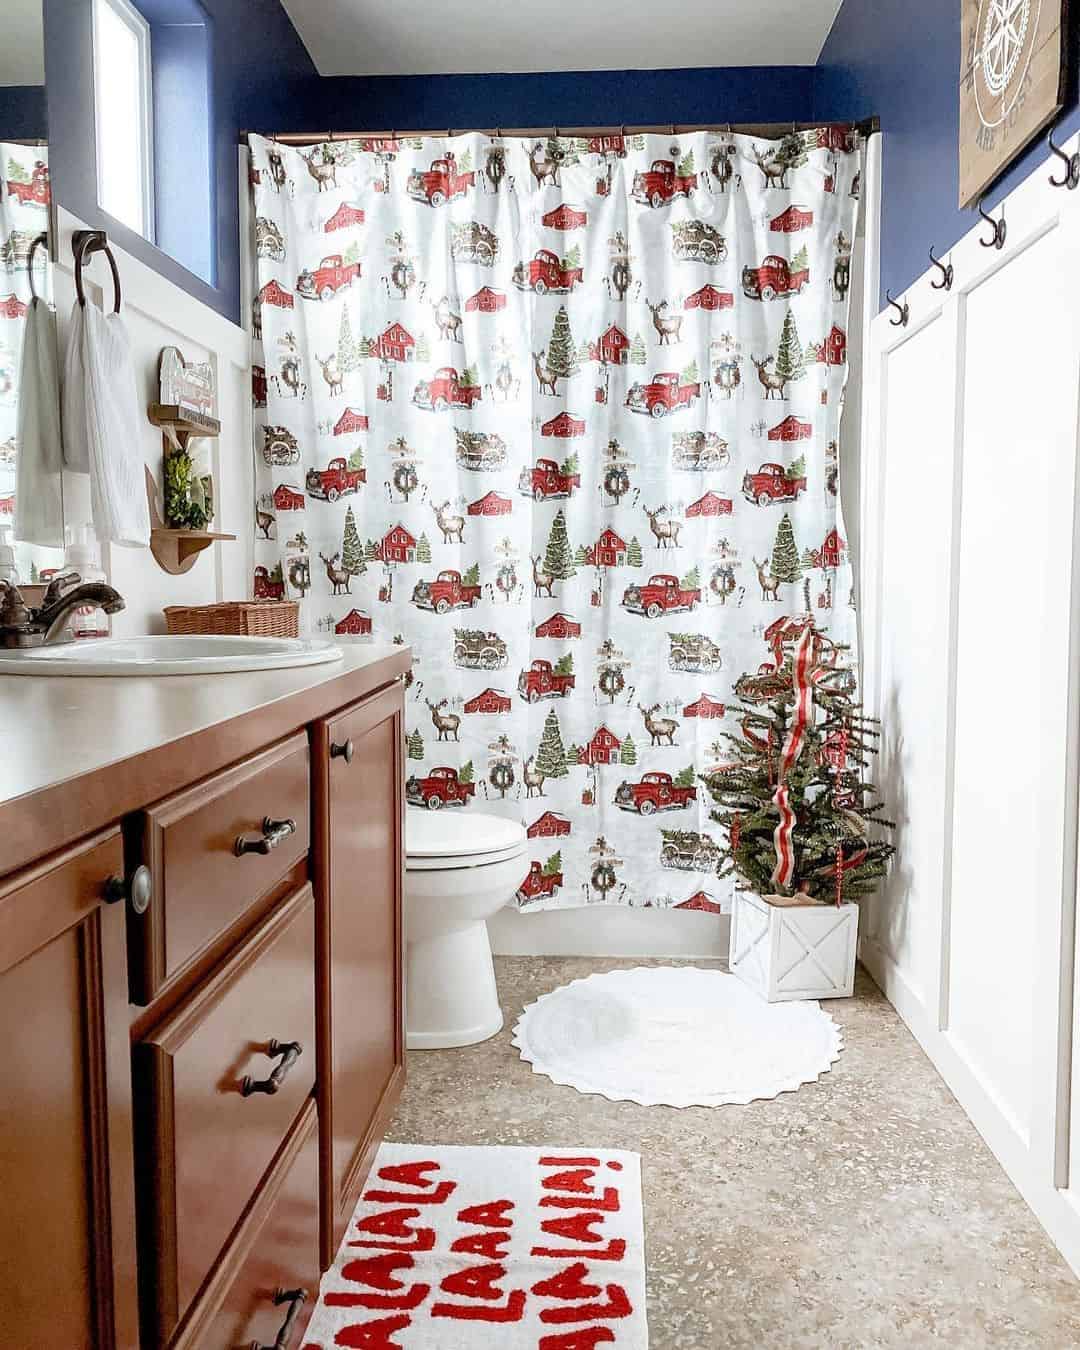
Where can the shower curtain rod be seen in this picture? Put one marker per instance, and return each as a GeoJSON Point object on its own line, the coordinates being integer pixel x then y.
{"type": "Point", "coordinates": [867, 127]}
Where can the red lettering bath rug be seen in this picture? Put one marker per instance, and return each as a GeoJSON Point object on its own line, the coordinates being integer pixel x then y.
{"type": "Point", "coordinates": [489, 1249]}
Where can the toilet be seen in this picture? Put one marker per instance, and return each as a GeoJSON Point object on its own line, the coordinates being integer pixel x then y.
{"type": "Point", "coordinates": [460, 868]}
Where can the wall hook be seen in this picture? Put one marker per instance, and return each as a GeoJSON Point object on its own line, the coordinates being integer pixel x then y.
{"type": "Point", "coordinates": [1071, 162]}
{"type": "Point", "coordinates": [903, 310]}
{"type": "Point", "coordinates": [83, 244]}
{"type": "Point", "coordinates": [999, 227]}
{"type": "Point", "coordinates": [947, 274]}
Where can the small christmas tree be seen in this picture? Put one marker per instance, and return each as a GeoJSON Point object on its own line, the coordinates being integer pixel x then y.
{"type": "Point", "coordinates": [469, 378]}
{"type": "Point", "coordinates": [798, 467]}
{"type": "Point", "coordinates": [465, 773]}
{"type": "Point", "coordinates": [686, 165]}
{"type": "Point", "coordinates": [690, 374]}
{"type": "Point", "coordinates": [581, 556]}
{"type": "Point", "coordinates": [559, 557]}
{"type": "Point", "coordinates": [686, 777]}
{"type": "Point", "coordinates": [553, 866]}
{"type": "Point", "coordinates": [572, 259]}
{"type": "Point", "coordinates": [801, 261]}
{"type": "Point", "coordinates": [416, 744]}
{"type": "Point", "coordinates": [634, 556]}
{"type": "Point", "coordinates": [352, 551]}
{"type": "Point", "coordinates": [628, 751]}
{"type": "Point", "coordinates": [348, 353]}
{"type": "Point", "coordinates": [791, 152]}
{"type": "Point", "coordinates": [562, 350]}
{"type": "Point", "coordinates": [356, 459]}
{"type": "Point", "coordinates": [570, 464]}
{"type": "Point", "coordinates": [637, 350]}
{"type": "Point", "coordinates": [692, 580]}
{"type": "Point", "coordinates": [423, 549]}
{"type": "Point", "coordinates": [423, 350]}
{"type": "Point", "coordinates": [826, 814]}
{"type": "Point", "coordinates": [785, 555]}
{"type": "Point", "coordinates": [790, 361]}
{"type": "Point", "coordinates": [551, 756]}
{"type": "Point", "coordinates": [472, 576]}
{"type": "Point", "coordinates": [565, 664]}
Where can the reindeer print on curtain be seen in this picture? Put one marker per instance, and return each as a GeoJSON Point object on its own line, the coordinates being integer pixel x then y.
{"type": "Point", "coordinates": [563, 416]}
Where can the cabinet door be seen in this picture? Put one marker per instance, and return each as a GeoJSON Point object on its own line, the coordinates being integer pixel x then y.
{"type": "Point", "coordinates": [67, 1260]}
{"type": "Point", "coordinates": [359, 841]}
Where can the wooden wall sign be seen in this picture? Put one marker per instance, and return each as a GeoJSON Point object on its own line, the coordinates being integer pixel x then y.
{"type": "Point", "coordinates": [1012, 83]}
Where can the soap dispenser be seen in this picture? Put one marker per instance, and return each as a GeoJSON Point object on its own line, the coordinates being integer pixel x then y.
{"type": "Point", "coordinates": [81, 555]}
{"type": "Point", "coordinates": [8, 570]}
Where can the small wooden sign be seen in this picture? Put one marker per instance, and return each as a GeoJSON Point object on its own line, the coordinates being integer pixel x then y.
{"type": "Point", "coordinates": [188, 385]}
{"type": "Point", "coordinates": [1013, 70]}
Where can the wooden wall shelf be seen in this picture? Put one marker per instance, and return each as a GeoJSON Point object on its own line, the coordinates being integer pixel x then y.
{"type": "Point", "coordinates": [175, 550]}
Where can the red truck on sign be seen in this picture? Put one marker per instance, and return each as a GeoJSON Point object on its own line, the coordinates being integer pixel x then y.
{"type": "Point", "coordinates": [445, 390]}
{"type": "Point", "coordinates": [655, 792]}
{"type": "Point", "coordinates": [547, 480]}
{"type": "Point", "coordinates": [772, 483]}
{"type": "Point", "coordinates": [541, 680]}
{"type": "Point", "coordinates": [442, 182]}
{"type": "Point", "coordinates": [442, 787]}
{"type": "Point", "coordinates": [336, 480]}
{"type": "Point", "coordinates": [662, 395]}
{"type": "Point", "coordinates": [546, 273]}
{"type": "Point", "coordinates": [660, 595]}
{"type": "Point", "coordinates": [661, 184]}
{"type": "Point", "coordinates": [445, 593]}
{"type": "Point", "coordinates": [774, 277]}
{"type": "Point", "coordinates": [538, 884]}
{"type": "Point", "coordinates": [331, 276]}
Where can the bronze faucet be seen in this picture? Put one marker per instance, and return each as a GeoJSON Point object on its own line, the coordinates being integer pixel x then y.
{"type": "Point", "coordinates": [23, 626]}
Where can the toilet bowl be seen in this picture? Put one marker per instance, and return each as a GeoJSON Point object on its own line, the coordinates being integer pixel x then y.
{"type": "Point", "coordinates": [460, 869]}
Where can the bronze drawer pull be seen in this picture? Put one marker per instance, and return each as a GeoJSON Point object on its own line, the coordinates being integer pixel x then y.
{"type": "Point", "coordinates": [290, 1052]}
{"type": "Point", "coordinates": [295, 1298]}
{"type": "Point", "coordinates": [273, 832]}
{"type": "Point", "coordinates": [138, 889]}
{"type": "Point", "coordinates": [343, 751]}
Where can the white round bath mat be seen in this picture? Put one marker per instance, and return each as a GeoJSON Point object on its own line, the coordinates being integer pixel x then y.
{"type": "Point", "coordinates": [675, 1036]}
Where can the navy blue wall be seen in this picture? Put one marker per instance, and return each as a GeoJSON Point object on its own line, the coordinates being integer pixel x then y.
{"type": "Point", "coordinates": [262, 77]}
{"type": "Point", "coordinates": [575, 98]}
{"type": "Point", "coordinates": [22, 113]}
{"type": "Point", "coordinates": [901, 60]}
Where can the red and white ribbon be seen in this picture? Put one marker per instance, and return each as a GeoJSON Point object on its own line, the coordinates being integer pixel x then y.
{"type": "Point", "coordinates": [807, 673]}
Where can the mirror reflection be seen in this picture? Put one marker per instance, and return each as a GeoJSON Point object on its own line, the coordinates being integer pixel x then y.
{"type": "Point", "coordinates": [31, 479]}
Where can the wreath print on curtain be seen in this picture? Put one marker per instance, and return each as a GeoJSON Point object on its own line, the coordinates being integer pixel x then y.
{"type": "Point", "coordinates": [563, 415]}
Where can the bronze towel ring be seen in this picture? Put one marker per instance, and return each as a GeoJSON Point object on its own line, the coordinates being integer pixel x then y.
{"type": "Point", "coordinates": [83, 244]}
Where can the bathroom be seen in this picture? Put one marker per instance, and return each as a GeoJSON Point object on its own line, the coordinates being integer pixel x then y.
{"type": "Point", "coordinates": [502, 545]}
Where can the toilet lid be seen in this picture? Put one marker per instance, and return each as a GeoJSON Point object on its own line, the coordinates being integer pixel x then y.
{"type": "Point", "coordinates": [459, 838]}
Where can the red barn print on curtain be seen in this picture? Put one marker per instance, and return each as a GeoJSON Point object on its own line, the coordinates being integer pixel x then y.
{"type": "Point", "coordinates": [563, 415]}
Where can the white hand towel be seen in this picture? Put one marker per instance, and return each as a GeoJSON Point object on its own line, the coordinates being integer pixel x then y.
{"type": "Point", "coordinates": [39, 499]}
{"type": "Point", "coordinates": [113, 427]}
{"type": "Point", "coordinates": [76, 450]}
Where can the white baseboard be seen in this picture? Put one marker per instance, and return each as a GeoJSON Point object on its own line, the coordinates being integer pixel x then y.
{"type": "Point", "coordinates": [609, 932]}
{"type": "Point", "coordinates": [1056, 1210]}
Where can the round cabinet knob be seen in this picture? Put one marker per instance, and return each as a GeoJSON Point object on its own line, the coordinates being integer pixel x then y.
{"type": "Point", "coordinates": [343, 751]}
{"type": "Point", "coordinates": [138, 890]}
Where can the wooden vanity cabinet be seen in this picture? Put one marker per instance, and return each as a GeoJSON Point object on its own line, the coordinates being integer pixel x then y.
{"type": "Point", "coordinates": [67, 1237]}
{"type": "Point", "coordinates": [199, 1068]}
{"type": "Point", "coordinates": [358, 793]}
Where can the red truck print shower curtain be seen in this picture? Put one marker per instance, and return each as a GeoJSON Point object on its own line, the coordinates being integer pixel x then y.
{"type": "Point", "coordinates": [563, 415]}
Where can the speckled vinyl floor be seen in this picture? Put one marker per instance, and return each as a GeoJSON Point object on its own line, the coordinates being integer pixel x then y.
{"type": "Point", "coordinates": [861, 1211]}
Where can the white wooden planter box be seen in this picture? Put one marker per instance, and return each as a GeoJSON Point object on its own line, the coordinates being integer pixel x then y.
{"type": "Point", "coordinates": [791, 952]}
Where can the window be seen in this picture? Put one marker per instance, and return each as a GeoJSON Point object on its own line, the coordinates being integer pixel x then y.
{"type": "Point", "coordinates": [123, 111]}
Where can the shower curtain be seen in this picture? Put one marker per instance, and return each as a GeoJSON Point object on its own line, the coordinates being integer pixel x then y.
{"type": "Point", "coordinates": [562, 415]}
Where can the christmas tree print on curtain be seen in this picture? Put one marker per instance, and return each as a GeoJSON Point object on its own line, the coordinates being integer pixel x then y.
{"type": "Point", "coordinates": [562, 415]}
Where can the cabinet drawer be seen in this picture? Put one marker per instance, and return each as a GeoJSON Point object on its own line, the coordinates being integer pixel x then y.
{"type": "Point", "coordinates": [190, 842]}
{"type": "Point", "coordinates": [210, 1116]}
{"type": "Point", "coordinates": [275, 1253]}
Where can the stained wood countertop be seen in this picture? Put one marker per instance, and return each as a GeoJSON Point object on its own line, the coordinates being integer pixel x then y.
{"type": "Point", "coordinates": [79, 753]}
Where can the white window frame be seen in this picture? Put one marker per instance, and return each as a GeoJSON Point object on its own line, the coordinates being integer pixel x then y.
{"type": "Point", "coordinates": [137, 23]}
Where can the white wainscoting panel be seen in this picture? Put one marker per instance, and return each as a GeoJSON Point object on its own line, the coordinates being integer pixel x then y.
{"type": "Point", "coordinates": [970, 594]}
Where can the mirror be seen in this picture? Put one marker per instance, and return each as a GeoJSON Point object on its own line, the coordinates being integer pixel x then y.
{"type": "Point", "coordinates": [31, 490]}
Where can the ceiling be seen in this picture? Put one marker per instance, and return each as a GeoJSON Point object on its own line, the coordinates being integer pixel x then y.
{"type": "Point", "coordinates": [416, 37]}
{"type": "Point", "coordinates": [22, 57]}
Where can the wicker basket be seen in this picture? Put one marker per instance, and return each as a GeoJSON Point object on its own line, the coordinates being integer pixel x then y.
{"type": "Point", "coordinates": [236, 618]}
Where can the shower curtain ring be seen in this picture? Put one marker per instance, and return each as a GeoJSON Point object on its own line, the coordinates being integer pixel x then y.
{"type": "Point", "coordinates": [903, 310]}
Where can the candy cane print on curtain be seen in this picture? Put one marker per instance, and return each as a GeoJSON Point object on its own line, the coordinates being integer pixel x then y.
{"type": "Point", "coordinates": [562, 415]}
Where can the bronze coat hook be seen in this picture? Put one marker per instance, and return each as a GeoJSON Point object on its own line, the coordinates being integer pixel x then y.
{"type": "Point", "coordinates": [1071, 162]}
{"type": "Point", "coordinates": [947, 273]}
{"type": "Point", "coordinates": [903, 310]}
{"type": "Point", "coordinates": [83, 244]}
{"type": "Point", "coordinates": [999, 227]}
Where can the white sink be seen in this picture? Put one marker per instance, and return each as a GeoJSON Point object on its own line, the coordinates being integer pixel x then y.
{"type": "Point", "coordinates": [168, 655]}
